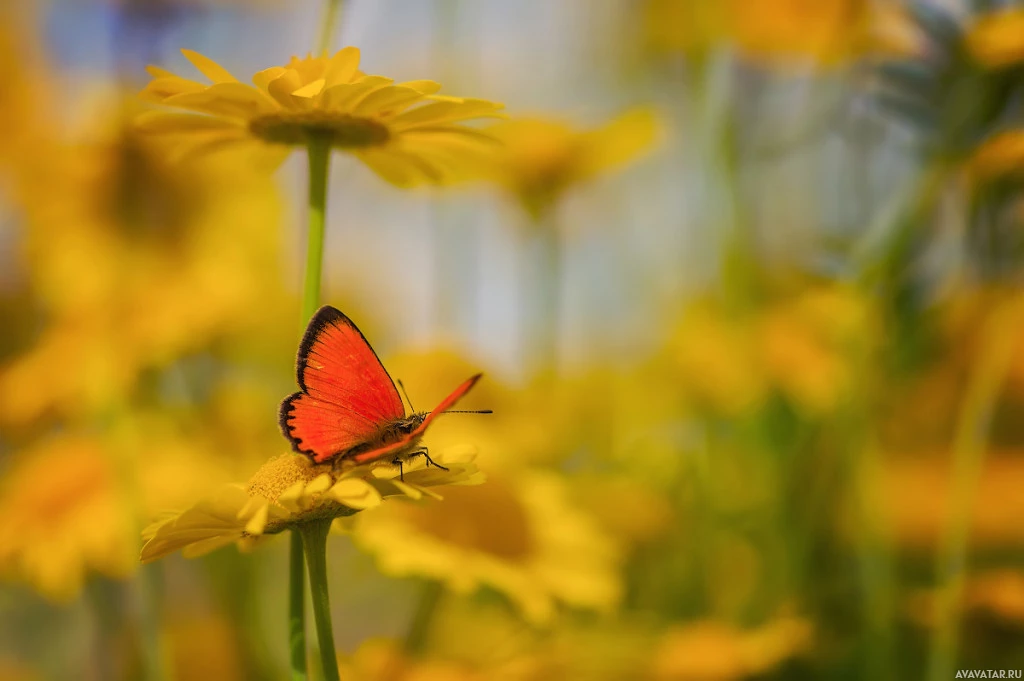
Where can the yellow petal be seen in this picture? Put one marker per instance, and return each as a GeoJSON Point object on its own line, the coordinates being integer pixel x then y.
{"type": "Point", "coordinates": [427, 87]}
{"type": "Point", "coordinates": [355, 493]}
{"type": "Point", "coordinates": [310, 90]}
{"type": "Point", "coordinates": [282, 87]}
{"type": "Point", "coordinates": [408, 490]}
{"type": "Point", "coordinates": [342, 67]}
{"type": "Point", "coordinates": [386, 100]}
{"type": "Point", "coordinates": [290, 497]}
{"type": "Point", "coordinates": [429, 492]}
{"type": "Point", "coordinates": [263, 78]}
{"type": "Point", "coordinates": [201, 548]}
{"type": "Point", "coordinates": [209, 68]}
{"type": "Point", "coordinates": [318, 485]}
{"type": "Point", "coordinates": [198, 144]}
{"type": "Point", "coordinates": [440, 112]}
{"type": "Point", "coordinates": [161, 88]}
{"type": "Point", "coordinates": [401, 170]}
{"type": "Point", "coordinates": [997, 39]}
{"type": "Point", "coordinates": [251, 506]}
{"type": "Point", "coordinates": [258, 522]}
{"type": "Point", "coordinates": [343, 98]}
{"type": "Point", "coordinates": [164, 122]}
{"type": "Point", "coordinates": [159, 72]}
{"type": "Point", "coordinates": [233, 100]}
{"type": "Point", "coordinates": [618, 142]}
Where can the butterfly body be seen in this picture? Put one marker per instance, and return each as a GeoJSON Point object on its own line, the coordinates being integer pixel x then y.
{"type": "Point", "coordinates": [348, 408]}
{"type": "Point", "coordinates": [389, 433]}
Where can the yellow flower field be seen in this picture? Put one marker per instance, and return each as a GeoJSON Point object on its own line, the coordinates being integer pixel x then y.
{"type": "Point", "coordinates": [666, 340]}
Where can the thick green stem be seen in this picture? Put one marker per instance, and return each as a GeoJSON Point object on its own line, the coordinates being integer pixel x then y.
{"type": "Point", "coordinates": [314, 541]}
{"type": "Point", "coordinates": [430, 597]}
{"type": "Point", "coordinates": [999, 345]}
{"type": "Point", "coordinates": [319, 170]}
{"type": "Point", "coordinates": [332, 9]}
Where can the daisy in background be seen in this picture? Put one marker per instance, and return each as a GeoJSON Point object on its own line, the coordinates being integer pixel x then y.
{"type": "Point", "coordinates": [405, 132]}
{"type": "Point", "coordinates": [539, 162]}
{"type": "Point", "coordinates": [520, 536]}
{"type": "Point", "coordinates": [542, 159]}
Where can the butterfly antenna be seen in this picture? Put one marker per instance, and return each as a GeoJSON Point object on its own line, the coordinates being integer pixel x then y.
{"type": "Point", "coordinates": [468, 411]}
{"type": "Point", "coordinates": [402, 386]}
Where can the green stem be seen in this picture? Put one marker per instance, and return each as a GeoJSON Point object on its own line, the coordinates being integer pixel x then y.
{"type": "Point", "coordinates": [314, 540]}
{"type": "Point", "coordinates": [319, 152]}
{"type": "Point", "coordinates": [542, 298]}
{"type": "Point", "coordinates": [319, 169]}
{"type": "Point", "coordinates": [999, 344]}
{"type": "Point", "coordinates": [430, 596]}
{"type": "Point", "coordinates": [332, 9]}
{"type": "Point", "coordinates": [296, 609]}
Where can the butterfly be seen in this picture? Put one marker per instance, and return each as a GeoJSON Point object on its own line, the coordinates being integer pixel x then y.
{"type": "Point", "coordinates": [348, 408]}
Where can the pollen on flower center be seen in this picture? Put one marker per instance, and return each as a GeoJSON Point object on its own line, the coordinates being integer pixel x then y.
{"type": "Point", "coordinates": [299, 127]}
{"type": "Point", "coordinates": [277, 475]}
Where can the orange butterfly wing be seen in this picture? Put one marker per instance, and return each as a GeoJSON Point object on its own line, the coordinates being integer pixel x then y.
{"type": "Point", "coordinates": [395, 447]}
{"type": "Point", "coordinates": [346, 394]}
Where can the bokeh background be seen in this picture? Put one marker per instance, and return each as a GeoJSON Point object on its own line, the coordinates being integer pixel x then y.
{"type": "Point", "coordinates": [745, 289]}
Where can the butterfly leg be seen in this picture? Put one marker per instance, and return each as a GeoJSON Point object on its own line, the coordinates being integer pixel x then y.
{"type": "Point", "coordinates": [401, 471]}
{"type": "Point", "coordinates": [431, 462]}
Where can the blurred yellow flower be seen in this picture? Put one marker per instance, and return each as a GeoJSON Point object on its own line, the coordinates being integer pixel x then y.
{"type": "Point", "coordinates": [810, 345]}
{"type": "Point", "coordinates": [542, 158]}
{"type": "Point", "coordinates": [519, 536]}
{"type": "Point", "coordinates": [383, 660]}
{"type": "Point", "coordinates": [73, 503]}
{"type": "Point", "coordinates": [64, 518]}
{"type": "Point", "coordinates": [22, 97]}
{"type": "Point", "coordinates": [289, 490]}
{"type": "Point", "coordinates": [202, 646]}
{"type": "Point", "coordinates": [772, 31]}
{"type": "Point", "coordinates": [915, 493]}
{"type": "Point", "coordinates": [714, 356]}
{"type": "Point", "coordinates": [1000, 155]}
{"type": "Point", "coordinates": [805, 346]}
{"type": "Point", "coordinates": [13, 670]}
{"type": "Point", "coordinates": [997, 592]}
{"type": "Point", "coordinates": [992, 596]}
{"type": "Point", "coordinates": [994, 40]}
{"type": "Point", "coordinates": [134, 262]}
{"type": "Point", "coordinates": [717, 651]}
{"type": "Point", "coordinates": [404, 132]}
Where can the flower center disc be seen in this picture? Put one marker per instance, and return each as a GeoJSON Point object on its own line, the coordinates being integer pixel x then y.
{"type": "Point", "coordinates": [339, 130]}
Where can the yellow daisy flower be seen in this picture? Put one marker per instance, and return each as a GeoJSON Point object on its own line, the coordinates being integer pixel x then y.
{"type": "Point", "coordinates": [542, 158]}
{"type": "Point", "coordinates": [383, 660]}
{"type": "Point", "coordinates": [774, 32]}
{"type": "Point", "coordinates": [73, 503]}
{"type": "Point", "coordinates": [916, 492]}
{"type": "Point", "coordinates": [717, 651]}
{"type": "Point", "coordinates": [1000, 155]}
{"type": "Point", "coordinates": [801, 346]}
{"type": "Point", "coordinates": [135, 234]}
{"type": "Point", "coordinates": [290, 490]}
{"type": "Point", "coordinates": [519, 536]}
{"type": "Point", "coordinates": [63, 518]}
{"type": "Point", "coordinates": [405, 132]}
{"type": "Point", "coordinates": [994, 40]}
